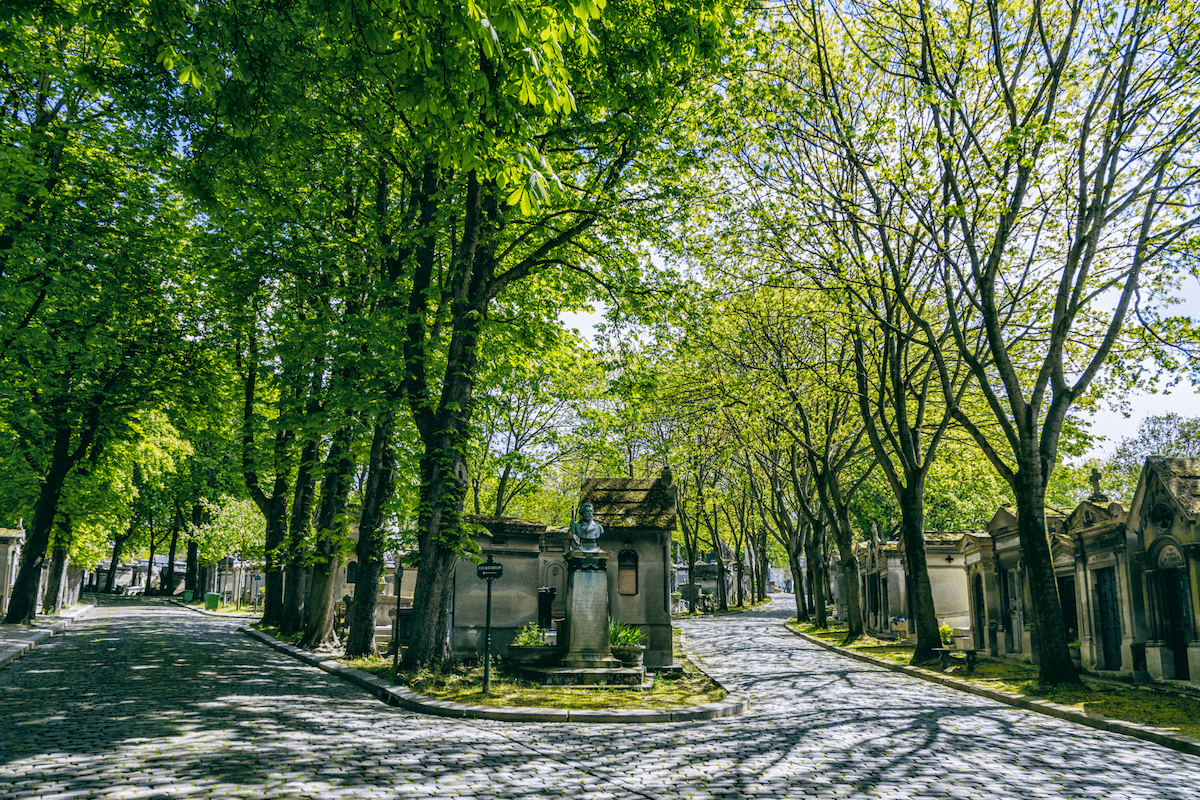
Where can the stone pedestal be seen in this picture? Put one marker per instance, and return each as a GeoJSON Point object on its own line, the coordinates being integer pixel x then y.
{"type": "Point", "coordinates": [10, 548]}
{"type": "Point", "coordinates": [587, 612]}
{"type": "Point", "coordinates": [1160, 661]}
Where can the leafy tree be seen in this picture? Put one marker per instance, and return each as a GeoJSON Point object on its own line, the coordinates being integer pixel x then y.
{"type": "Point", "coordinates": [100, 317]}
{"type": "Point", "coordinates": [234, 527]}
{"type": "Point", "coordinates": [1042, 160]}
{"type": "Point", "coordinates": [1172, 435]}
{"type": "Point", "coordinates": [525, 418]}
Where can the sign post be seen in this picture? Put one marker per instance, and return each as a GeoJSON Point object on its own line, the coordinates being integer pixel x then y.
{"type": "Point", "coordinates": [396, 622]}
{"type": "Point", "coordinates": [489, 571]}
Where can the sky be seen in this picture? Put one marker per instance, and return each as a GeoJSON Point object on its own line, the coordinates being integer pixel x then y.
{"type": "Point", "coordinates": [1184, 399]}
{"type": "Point", "coordinates": [1114, 426]}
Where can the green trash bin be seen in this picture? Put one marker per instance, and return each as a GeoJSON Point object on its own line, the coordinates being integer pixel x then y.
{"type": "Point", "coordinates": [210, 601]}
{"type": "Point", "coordinates": [187, 595]}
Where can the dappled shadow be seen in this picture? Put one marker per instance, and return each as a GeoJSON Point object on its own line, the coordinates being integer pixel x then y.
{"type": "Point", "coordinates": [165, 702]}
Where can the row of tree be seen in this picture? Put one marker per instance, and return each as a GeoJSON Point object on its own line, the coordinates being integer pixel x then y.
{"type": "Point", "coordinates": [325, 246]}
{"type": "Point", "coordinates": [946, 221]}
{"type": "Point", "coordinates": [301, 232]}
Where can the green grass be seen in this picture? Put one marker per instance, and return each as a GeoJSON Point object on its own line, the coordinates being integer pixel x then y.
{"type": "Point", "coordinates": [273, 631]}
{"type": "Point", "coordinates": [463, 683]}
{"type": "Point", "coordinates": [1141, 706]}
{"type": "Point", "coordinates": [1129, 703]}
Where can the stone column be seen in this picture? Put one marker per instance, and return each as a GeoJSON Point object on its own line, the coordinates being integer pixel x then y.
{"type": "Point", "coordinates": [1159, 661]}
{"type": "Point", "coordinates": [10, 548]}
{"type": "Point", "coordinates": [587, 612]}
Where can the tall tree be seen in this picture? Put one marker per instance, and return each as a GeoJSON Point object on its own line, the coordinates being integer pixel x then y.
{"type": "Point", "coordinates": [99, 295]}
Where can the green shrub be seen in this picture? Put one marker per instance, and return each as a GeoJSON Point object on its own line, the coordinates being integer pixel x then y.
{"type": "Point", "coordinates": [623, 635]}
{"type": "Point", "coordinates": [530, 636]}
{"type": "Point", "coordinates": [946, 632]}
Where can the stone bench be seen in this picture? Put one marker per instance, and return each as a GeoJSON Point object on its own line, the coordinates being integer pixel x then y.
{"type": "Point", "coordinates": [947, 653]}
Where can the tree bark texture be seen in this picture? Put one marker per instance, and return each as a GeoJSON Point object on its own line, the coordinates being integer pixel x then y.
{"type": "Point", "coordinates": [167, 587]}
{"type": "Point", "coordinates": [52, 602]}
{"type": "Point", "coordinates": [335, 488]}
{"type": "Point", "coordinates": [22, 602]}
{"type": "Point", "coordinates": [297, 548]}
{"type": "Point", "coordinates": [372, 540]}
{"type": "Point", "coordinates": [912, 529]}
{"type": "Point", "coordinates": [1049, 634]}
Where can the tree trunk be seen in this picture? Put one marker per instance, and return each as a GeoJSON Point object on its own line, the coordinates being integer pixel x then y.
{"type": "Point", "coordinates": [501, 488]}
{"type": "Point", "coordinates": [371, 541]}
{"type": "Point", "coordinates": [715, 538]}
{"type": "Point", "coordinates": [22, 602]}
{"type": "Point", "coordinates": [320, 630]}
{"type": "Point", "coordinates": [167, 587]}
{"type": "Point", "coordinates": [1049, 632]}
{"type": "Point", "coordinates": [843, 538]}
{"type": "Point", "coordinates": [798, 586]}
{"type": "Point", "coordinates": [118, 544]}
{"type": "Point", "coordinates": [440, 515]}
{"type": "Point", "coordinates": [335, 488]}
{"type": "Point", "coordinates": [192, 579]}
{"type": "Point", "coordinates": [52, 602]}
{"type": "Point", "coordinates": [817, 581]}
{"type": "Point", "coordinates": [150, 560]}
{"type": "Point", "coordinates": [912, 529]}
{"type": "Point", "coordinates": [276, 537]}
{"type": "Point", "coordinates": [764, 570]}
{"type": "Point", "coordinates": [297, 544]}
{"type": "Point", "coordinates": [741, 571]}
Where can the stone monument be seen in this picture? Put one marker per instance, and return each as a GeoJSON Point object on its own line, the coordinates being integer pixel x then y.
{"type": "Point", "coordinates": [587, 610]}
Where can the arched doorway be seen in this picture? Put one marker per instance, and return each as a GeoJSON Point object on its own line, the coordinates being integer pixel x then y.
{"type": "Point", "coordinates": [1174, 606]}
{"type": "Point", "coordinates": [1176, 621]}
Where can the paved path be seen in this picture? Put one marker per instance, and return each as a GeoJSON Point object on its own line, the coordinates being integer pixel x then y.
{"type": "Point", "coordinates": [149, 700]}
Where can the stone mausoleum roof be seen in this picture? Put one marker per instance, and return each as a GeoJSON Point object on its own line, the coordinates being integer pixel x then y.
{"type": "Point", "coordinates": [641, 503]}
{"type": "Point", "coordinates": [1181, 477]}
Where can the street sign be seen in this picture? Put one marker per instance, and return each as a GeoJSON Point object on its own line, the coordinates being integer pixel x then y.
{"type": "Point", "coordinates": [490, 569]}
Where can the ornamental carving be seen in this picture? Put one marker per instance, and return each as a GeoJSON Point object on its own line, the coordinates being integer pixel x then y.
{"type": "Point", "coordinates": [586, 562]}
{"type": "Point", "coordinates": [1162, 516]}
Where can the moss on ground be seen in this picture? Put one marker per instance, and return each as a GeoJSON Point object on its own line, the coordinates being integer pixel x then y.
{"type": "Point", "coordinates": [1136, 704]}
{"type": "Point", "coordinates": [463, 683]}
{"type": "Point", "coordinates": [273, 631]}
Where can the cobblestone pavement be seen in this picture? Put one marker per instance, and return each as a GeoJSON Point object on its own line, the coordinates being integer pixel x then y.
{"type": "Point", "coordinates": [147, 700]}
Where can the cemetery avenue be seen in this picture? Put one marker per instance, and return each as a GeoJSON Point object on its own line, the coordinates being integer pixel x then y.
{"type": "Point", "coordinates": [147, 700]}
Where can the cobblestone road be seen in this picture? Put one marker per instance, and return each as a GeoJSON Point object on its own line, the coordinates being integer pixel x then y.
{"type": "Point", "coordinates": [147, 700]}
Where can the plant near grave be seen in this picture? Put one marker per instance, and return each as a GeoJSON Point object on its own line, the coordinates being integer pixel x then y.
{"type": "Point", "coordinates": [621, 634]}
{"type": "Point", "coordinates": [946, 632]}
{"type": "Point", "coordinates": [530, 636]}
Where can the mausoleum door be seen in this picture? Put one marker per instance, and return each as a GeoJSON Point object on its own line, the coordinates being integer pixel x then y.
{"type": "Point", "coordinates": [1109, 613]}
{"type": "Point", "coordinates": [1014, 609]}
{"type": "Point", "coordinates": [1176, 624]}
{"type": "Point", "coordinates": [980, 616]}
{"type": "Point", "coordinates": [884, 611]}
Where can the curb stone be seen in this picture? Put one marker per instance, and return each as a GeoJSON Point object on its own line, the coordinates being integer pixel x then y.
{"type": "Point", "coordinates": [11, 652]}
{"type": "Point", "coordinates": [403, 697]}
{"type": "Point", "coordinates": [1173, 741]}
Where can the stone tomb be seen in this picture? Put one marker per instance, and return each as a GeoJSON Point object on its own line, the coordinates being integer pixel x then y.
{"type": "Point", "coordinates": [10, 560]}
{"type": "Point", "coordinates": [1097, 605]}
{"type": "Point", "coordinates": [637, 515]}
{"type": "Point", "coordinates": [1164, 518]}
